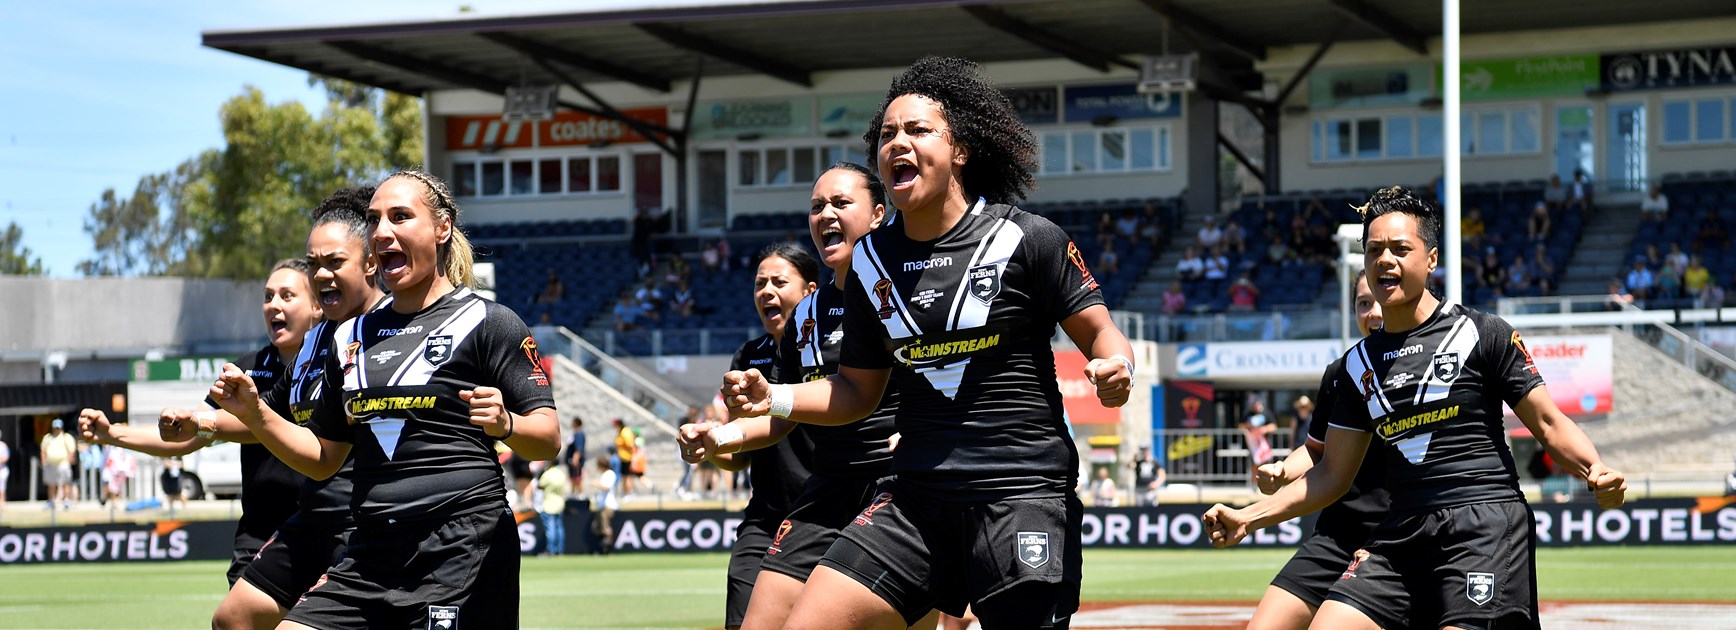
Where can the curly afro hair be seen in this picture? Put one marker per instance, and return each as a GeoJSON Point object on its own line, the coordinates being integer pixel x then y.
{"type": "Point", "coordinates": [348, 206]}
{"type": "Point", "coordinates": [1003, 152]}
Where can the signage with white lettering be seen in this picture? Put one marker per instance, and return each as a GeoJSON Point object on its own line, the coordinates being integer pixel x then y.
{"type": "Point", "coordinates": [125, 542]}
{"type": "Point", "coordinates": [1668, 69]}
{"type": "Point", "coordinates": [1264, 359]}
{"type": "Point", "coordinates": [1088, 103]}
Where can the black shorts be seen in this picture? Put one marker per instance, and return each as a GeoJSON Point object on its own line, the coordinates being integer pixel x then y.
{"type": "Point", "coordinates": [292, 561]}
{"type": "Point", "coordinates": [826, 506]}
{"type": "Point", "coordinates": [751, 540]}
{"type": "Point", "coordinates": [1317, 565]}
{"type": "Point", "coordinates": [1013, 561]}
{"type": "Point", "coordinates": [419, 574]}
{"type": "Point", "coordinates": [1471, 566]}
{"type": "Point", "coordinates": [246, 545]}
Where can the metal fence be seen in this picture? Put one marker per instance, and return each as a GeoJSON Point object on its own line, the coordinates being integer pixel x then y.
{"type": "Point", "coordinates": [1214, 455]}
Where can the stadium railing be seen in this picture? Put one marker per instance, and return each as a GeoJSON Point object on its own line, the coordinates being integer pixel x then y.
{"type": "Point", "coordinates": [1213, 455]}
{"type": "Point", "coordinates": [1655, 327]}
{"type": "Point", "coordinates": [661, 403]}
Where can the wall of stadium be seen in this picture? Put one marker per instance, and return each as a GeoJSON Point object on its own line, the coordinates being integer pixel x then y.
{"type": "Point", "coordinates": [1366, 114]}
{"type": "Point", "coordinates": [758, 141]}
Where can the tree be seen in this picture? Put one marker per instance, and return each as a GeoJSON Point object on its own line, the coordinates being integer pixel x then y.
{"type": "Point", "coordinates": [15, 258]}
{"type": "Point", "coordinates": [232, 212]}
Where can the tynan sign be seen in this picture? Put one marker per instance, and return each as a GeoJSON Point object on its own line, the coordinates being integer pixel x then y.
{"type": "Point", "coordinates": [1666, 69]}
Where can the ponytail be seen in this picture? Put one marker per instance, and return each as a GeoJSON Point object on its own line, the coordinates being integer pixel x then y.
{"type": "Point", "coordinates": [457, 256]}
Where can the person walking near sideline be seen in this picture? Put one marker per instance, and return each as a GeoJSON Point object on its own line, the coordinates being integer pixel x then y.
{"type": "Point", "coordinates": [59, 453]}
{"type": "Point", "coordinates": [555, 486]}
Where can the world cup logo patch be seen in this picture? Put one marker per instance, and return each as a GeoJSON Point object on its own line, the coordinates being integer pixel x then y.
{"type": "Point", "coordinates": [807, 336]}
{"type": "Point", "coordinates": [883, 293]}
{"type": "Point", "coordinates": [778, 541]}
{"type": "Point", "coordinates": [866, 518]}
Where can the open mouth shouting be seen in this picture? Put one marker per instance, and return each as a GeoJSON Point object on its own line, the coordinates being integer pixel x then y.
{"type": "Point", "coordinates": [904, 173]}
{"type": "Point", "coordinates": [393, 264]}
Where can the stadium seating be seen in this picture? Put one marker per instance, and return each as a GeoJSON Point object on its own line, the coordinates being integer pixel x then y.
{"type": "Point", "coordinates": [1692, 196]}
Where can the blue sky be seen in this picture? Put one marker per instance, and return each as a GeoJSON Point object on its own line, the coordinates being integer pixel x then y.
{"type": "Point", "coordinates": [95, 94]}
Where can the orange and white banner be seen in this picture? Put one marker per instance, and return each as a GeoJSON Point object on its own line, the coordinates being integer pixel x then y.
{"type": "Point", "coordinates": [1578, 369]}
{"type": "Point", "coordinates": [567, 128]}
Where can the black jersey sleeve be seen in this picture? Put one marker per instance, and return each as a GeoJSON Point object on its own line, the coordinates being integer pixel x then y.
{"type": "Point", "coordinates": [513, 363]}
{"type": "Point", "coordinates": [864, 336]}
{"type": "Point", "coordinates": [1348, 409]}
{"type": "Point", "coordinates": [1511, 367]}
{"type": "Point", "coordinates": [1324, 402]}
{"type": "Point", "coordinates": [1060, 269]}
{"type": "Point", "coordinates": [329, 420]}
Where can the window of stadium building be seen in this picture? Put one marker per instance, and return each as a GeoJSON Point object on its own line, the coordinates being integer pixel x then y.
{"type": "Point", "coordinates": [547, 175]}
{"type": "Point", "coordinates": [1105, 150]}
{"type": "Point", "coordinates": [1698, 121]}
{"type": "Point", "coordinates": [1484, 131]}
{"type": "Point", "coordinates": [795, 165]}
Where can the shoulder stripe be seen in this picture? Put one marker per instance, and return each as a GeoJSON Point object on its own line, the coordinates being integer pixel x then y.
{"type": "Point", "coordinates": [460, 326]}
{"type": "Point", "coordinates": [1337, 426]}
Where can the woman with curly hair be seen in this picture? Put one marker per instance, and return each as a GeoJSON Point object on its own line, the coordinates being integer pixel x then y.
{"type": "Point", "coordinates": [953, 304]}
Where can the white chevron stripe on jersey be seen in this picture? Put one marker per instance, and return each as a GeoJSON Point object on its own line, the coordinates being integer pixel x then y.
{"type": "Point", "coordinates": [968, 312]}
{"type": "Point", "coordinates": [1414, 448]}
{"type": "Point", "coordinates": [865, 263]}
{"type": "Point", "coordinates": [387, 431]}
{"type": "Point", "coordinates": [417, 370]}
{"type": "Point", "coordinates": [809, 311]}
{"type": "Point", "coordinates": [304, 364]}
{"type": "Point", "coordinates": [1356, 364]}
{"type": "Point", "coordinates": [1459, 342]}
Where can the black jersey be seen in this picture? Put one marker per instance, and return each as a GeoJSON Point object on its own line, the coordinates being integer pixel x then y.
{"type": "Point", "coordinates": [268, 486]}
{"type": "Point", "coordinates": [964, 320]}
{"type": "Point", "coordinates": [416, 454]}
{"type": "Point", "coordinates": [1433, 396]}
{"type": "Point", "coordinates": [809, 352]}
{"type": "Point", "coordinates": [779, 471]}
{"type": "Point", "coordinates": [295, 398]}
{"type": "Point", "coordinates": [1365, 504]}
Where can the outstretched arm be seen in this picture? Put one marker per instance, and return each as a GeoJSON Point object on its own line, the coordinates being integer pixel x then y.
{"type": "Point", "coordinates": [839, 399]}
{"type": "Point", "coordinates": [719, 443]}
{"type": "Point", "coordinates": [1564, 440]}
{"type": "Point", "coordinates": [296, 445]}
{"type": "Point", "coordinates": [1322, 485]}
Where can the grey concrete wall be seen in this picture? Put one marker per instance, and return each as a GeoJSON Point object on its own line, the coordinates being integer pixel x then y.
{"type": "Point", "coordinates": [121, 314]}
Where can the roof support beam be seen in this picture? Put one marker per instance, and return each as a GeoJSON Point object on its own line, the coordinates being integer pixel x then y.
{"type": "Point", "coordinates": [650, 131]}
{"type": "Point", "coordinates": [466, 78]}
{"type": "Point", "coordinates": [577, 60]}
{"type": "Point", "coordinates": [726, 53]}
{"type": "Point", "coordinates": [1193, 22]}
{"type": "Point", "coordinates": [1224, 141]}
{"type": "Point", "coordinates": [1384, 22]}
{"type": "Point", "coordinates": [1080, 53]}
{"type": "Point", "coordinates": [1307, 67]}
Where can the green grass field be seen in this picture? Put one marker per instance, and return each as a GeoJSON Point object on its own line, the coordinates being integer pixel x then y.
{"type": "Point", "coordinates": [686, 591]}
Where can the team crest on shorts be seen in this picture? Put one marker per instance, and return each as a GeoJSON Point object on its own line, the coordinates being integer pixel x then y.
{"type": "Point", "coordinates": [438, 350]}
{"type": "Point", "coordinates": [442, 618]}
{"type": "Point", "coordinates": [777, 545]}
{"type": "Point", "coordinates": [1032, 548]}
{"type": "Point", "coordinates": [985, 283]}
{"type": "Point", "coordinates": [1446, 367]}
{"type": "Point", "coordinates": [1479, 587]}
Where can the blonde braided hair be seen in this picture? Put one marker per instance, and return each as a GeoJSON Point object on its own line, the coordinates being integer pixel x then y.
{"type": "Point", "coordinates": [457, 256]}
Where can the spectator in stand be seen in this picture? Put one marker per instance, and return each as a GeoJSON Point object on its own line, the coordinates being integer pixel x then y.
{"type": "Point", "coordinates": [1235, 238]}
{"type": "Point", "coordinates": [710, 260]}
{"type": "Point", "coordinates": [1174, 299]}
{"type": "Point", "coordinates": [118, 466]}
{"type": "Point", "coordinates": [555, 485]}
{"type": "Point", "coordinates": [1712, 234]}
{"type": "Point", "coordinates": [1676, 258]}
{"type": "Point", "coordinates": [1471, 228]}
{"type": "Point", "coordinates": [1256, 429]}
{"type": "Point", "coordinates": [1711, 297]}
{"type": "Point", "coordinates": [1543, 269]}
{"type": "Point", "coordinates": [171, 480]}
{"type": "Point", "coordinates": [681, 301]}
{"type": "Point", "coordinates": [575, 455]}
{"type": "Point", "coordinates": [59, 454]}
{"type": "Point", "coordinates": [1322, 250]}
{"type": "Point", "coordinates": [1316, 212]}
{"type": "Point", "coordinates": [1537, 227]}
{"type": "Point", "coordinates": [1108, 264]}
{"type": "Point", "coordinates": [626, 314]}
{"type": "Point", "coordinates": [1490, 273]}
{"type": "Point", "coordinates": [1669, 284]}
{"type": "Point", "coordinates": [1151, 227]}
{"type": "Point", "coordinates": [1554, 194]}
{"type": "Point", "coordinates": [1217, 265]}
{"type": "Point", "coordinates": [626, 450]}
{"type": "Point", "coordinates": [608, 486]}
{"type": "Point", "coordinates": [1519, 276]}
{"type": "Point", "coordinates": [1640, 281]}
{"type": "Point", "coordinates": [1127, 226]}
{"type": "Point", "coordinates": [679, 271]}
{"type": "Point", "coordinates": [1148, 476]}
{"type": "Point", "coordinates": [1210, 235]}
{"type": "Point", "coordinates": [1244, 296]}
{"type": "Point", "coordinates": [1105, 229]}
{"type": "Point", "coordinates": [1616, 297]}
{"type": "Point", "coordinates": [1103, 490]}
{"type": "Point", "coordinates": [1696, 277]}
{"type": "Point", "coordinates": [1579, 193]}
{"type": "Point", "coordinates": [1304, 416]}
{"type": "Point", "coordinates": [553, 289]}
{"type": "Point", "coordinates": [723, 253]}
{"type": "Point", "coordinates": [1191, 267]}
{"type": "Point", "coordinates": [1269, 221]}
{"type": "Point", "coordinates": [1656, 206]}
{"type": "Point", "coordinates": [1277, 251]}
{"type": "Point", "coordinates": [649, 299]}
{"type": "Point", "coordinates": [1654, 260]}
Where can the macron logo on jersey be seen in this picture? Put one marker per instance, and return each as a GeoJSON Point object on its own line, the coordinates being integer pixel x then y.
{"type": "Point", "coordinates": [919, 265]}
{"type": "Point", "coordinates": [1402, 352]}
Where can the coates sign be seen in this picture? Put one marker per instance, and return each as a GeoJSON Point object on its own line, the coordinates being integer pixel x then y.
{"type": "Point", "coordinates": [566, 129]}
{"type": "Point", "coordinates": [1664, 69]}
{"type": "Point", "coordinates": [1578, 370]}
{"type": "Point", "coordinates": [1303, 360]}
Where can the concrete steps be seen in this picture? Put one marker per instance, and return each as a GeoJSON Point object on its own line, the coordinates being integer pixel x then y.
{"type": "Point", "coordinates": [1602, 251]}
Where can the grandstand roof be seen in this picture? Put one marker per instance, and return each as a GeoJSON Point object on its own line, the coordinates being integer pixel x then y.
{"type": "Point", "coordinates": [792, 40]}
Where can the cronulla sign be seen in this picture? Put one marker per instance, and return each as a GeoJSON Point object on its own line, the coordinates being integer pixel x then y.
{"type": "Point", "coordinates": [1264, 359]}
{"type": "Point", "coordinates": [1665, 69]}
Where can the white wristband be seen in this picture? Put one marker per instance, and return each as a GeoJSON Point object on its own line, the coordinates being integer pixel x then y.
{"type": "Point", "coordinates": [1124, 361]}
{"type": "Point", "coordinates": [726, 436]}
{"type": "Point", "coordinates": [783, 401]}
{"type": "Point", "coordinates": [205, 424]}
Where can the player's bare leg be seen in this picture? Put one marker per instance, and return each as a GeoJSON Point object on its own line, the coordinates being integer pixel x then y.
{"type": "Point", "coordinates": [834, 600]}
{"type": "Point", "coordinates": [774, 595]}
{"type": "Point", "coordinates": [1335, 615]}
{"type": "Point", "coordinates": [1281, 610]}
{"type": "Point", "coordinates": [247, 607]}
